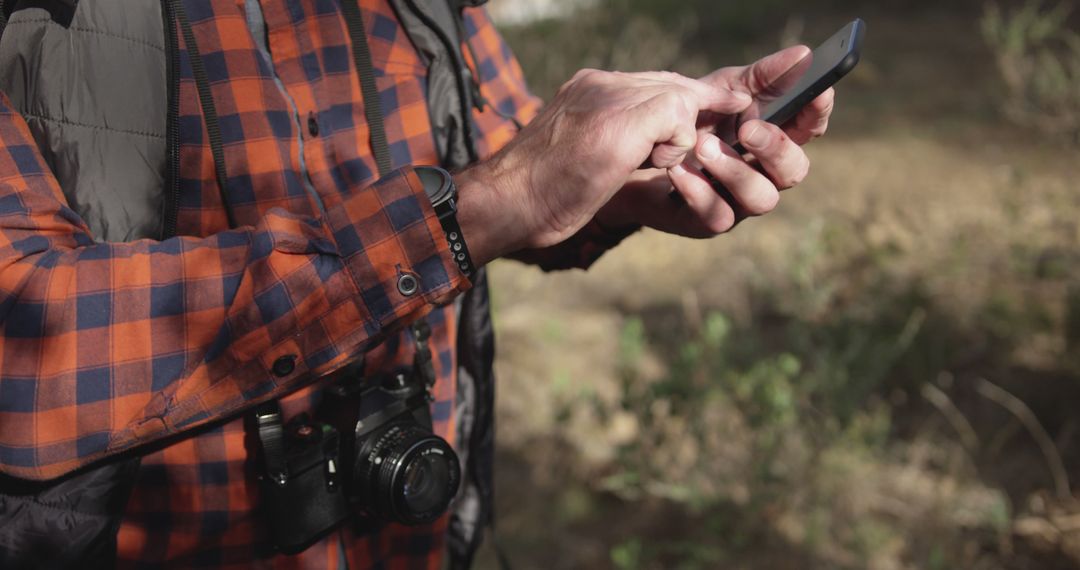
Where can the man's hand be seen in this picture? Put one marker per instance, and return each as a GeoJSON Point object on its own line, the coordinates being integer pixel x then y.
{"type": "Point", "coordinates": [777, 161]}
{"type": "Point", "coordinates": [598, 130]}
{"type": "Point", "coordinates": [755, 79]}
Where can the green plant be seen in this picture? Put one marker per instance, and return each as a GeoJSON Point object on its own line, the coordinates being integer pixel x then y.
{"type": "Point", "coordinates": [1038, 55]}
{"type": "Point", "coordinates": [628, 555]}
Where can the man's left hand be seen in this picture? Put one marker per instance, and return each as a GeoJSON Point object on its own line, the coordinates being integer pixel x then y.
{"type": "Point", "coordinates": [776, 162]}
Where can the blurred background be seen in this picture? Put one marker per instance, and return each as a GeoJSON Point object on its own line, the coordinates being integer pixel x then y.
{"type": "Point", "coordinates": [882, 374]}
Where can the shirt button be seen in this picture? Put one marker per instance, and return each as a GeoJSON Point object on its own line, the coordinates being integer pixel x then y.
{"type": "Point", "coordinates": [284, 365]}
{"type": "Point", "coordinates": [312, 125]}
{"type": "Point", "coordinates": [407, 284]}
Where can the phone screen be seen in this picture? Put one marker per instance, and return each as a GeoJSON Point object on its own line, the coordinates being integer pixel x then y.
{"type": "Point", "coordinates": [780, 101]}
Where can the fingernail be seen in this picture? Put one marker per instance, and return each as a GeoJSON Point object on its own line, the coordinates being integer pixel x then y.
{"type": "Point", "coordinates": [677, 170]}
{"type": "Point", "coordinates": [710, 149]}
{"type": "Point", "coordinates": [757, 137]}
{"type": "Point", "coordinates": [743, 96]}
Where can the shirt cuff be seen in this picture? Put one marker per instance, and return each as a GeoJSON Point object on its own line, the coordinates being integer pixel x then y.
{"type": "Point", "coordinates": [580, 250]}
{"type": "Point", "coordinates": [393, 247]}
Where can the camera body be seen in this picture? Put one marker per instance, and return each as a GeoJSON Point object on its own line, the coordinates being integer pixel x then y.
{"type": "Point", "coordinates": [304, 499]}
{"type": "Point", "coordinates": [368, 457]}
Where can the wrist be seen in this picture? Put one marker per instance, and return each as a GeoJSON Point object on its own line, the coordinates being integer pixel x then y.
{"type": "Point", "coordinates": [616, 217]}
{"type": "Point", "coordinates": [486, 214]}
{"type": "Point", "coordinates": [442, 192]}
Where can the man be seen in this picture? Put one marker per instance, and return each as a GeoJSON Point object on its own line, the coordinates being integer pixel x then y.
{"type": "Point", "coordinates": [211, 229]}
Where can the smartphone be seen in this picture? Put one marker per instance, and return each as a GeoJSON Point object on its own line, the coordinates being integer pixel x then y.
{"type": "Point", "coordinates": [819, 70]}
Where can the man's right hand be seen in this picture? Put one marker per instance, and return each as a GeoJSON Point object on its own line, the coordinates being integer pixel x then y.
{"type": "Point", "coordinates": [568, 162]}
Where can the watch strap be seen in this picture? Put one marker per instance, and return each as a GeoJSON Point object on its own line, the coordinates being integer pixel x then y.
{"type": "Point", "coordinates": [441, 190]}
{"type": "Point", "coordinates": [458, 249]}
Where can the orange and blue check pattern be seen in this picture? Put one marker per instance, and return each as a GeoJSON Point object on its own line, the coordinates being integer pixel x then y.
{"type": "Point", "coordinates": [107, 347]}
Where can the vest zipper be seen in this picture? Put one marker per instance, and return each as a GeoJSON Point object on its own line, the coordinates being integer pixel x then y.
{"type": "Point", "coordinates": [474, 76]}
{"type": "Point", "coordinates": [172, 123]}
{"type": "Point", "coordinates": [460, 77]}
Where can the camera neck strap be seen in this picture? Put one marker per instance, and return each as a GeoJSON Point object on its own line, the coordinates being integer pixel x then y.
{"type": "Point", "coordinates": [423, 363]}
{"type": "Point", "coordinates": [380, 148]}
{"type": "Point", "coordinates": [269, 419]}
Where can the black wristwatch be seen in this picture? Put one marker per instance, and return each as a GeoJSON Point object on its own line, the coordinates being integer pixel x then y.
{"type": "Point", "coordinates": [440, 189]}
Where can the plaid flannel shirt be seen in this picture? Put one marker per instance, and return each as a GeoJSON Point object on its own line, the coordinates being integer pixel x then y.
{"type": "Point", "coordinates": [106, 347]}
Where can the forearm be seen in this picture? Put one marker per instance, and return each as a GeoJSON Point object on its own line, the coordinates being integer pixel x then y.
{"type": "Point", "coordinates": [108, 346]}
{"type": "Point", "coordinates": [493, 231]}
{"type": "Point", "coordinates": [492, 210]}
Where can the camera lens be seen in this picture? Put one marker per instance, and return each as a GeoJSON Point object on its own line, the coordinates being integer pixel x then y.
{"type": "Point", "coordinates": [426, 481]}
{"type": "Point", "coordinates": [408, 474]}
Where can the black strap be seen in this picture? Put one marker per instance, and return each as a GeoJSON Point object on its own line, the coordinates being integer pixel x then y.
{"type": "Point", "coordinates": [422, 361]}
{"type": "Point", "coordinates": [373, 111]}
{"type": "Point", "coordinates": [206, 101]}
{"type": "Point", "coordinates": [354, 20]}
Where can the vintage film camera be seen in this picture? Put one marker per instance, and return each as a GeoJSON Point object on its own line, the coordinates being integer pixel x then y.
{"type": "Point", "coordinates": [390, 468]}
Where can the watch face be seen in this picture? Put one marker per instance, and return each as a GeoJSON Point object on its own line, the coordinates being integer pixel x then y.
{"type": "Point", "coordinates": [437, 183]}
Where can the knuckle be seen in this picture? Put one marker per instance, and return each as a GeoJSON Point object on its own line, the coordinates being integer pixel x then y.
{"type": "Point", "coordinates": [586, 75]}
{"type": "Point", "coordinates": [689, 109]}
{"type": "Point", "coordinates": [669, 99]}
{"type": "Point", "coordinates": [584, 72]}
{"type": "Point", "coordinates": [681, 109]}
{"type": "Point", "coordinates": [685, 137]}
{"type": "Point", "coordinates": [672, 107]}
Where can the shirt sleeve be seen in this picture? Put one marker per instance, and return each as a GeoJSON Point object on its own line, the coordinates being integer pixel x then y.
{"type": "Point", "coordinates": [579, 251]}
{"type": "Point", "coordinates": [506, 94]}
{"type": "Point", "coordinates": [109, 346]}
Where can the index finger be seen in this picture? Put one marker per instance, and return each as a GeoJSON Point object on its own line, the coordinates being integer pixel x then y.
{"type": "Point", "coordinates": [707, 97]}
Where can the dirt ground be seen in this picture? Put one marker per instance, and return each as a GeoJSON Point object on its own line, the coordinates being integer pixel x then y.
{"type": "Point", "coordinates": [837, 406]}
